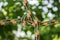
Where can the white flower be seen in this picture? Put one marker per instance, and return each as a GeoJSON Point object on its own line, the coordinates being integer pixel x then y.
{"type": "Point", "coordinates": [22, 34]}
{"type": "Point", "coordinates": [25, 13]}
{"type": "Point", "coordinates": [23, 8]}
{"type": "Point", "coordinates": [40, 7]}
{"type": "Point", "coordinates": [34, 12]}
{"type": "Point", "coordinates": [14, 31]}
{"type": "Point", "coordinates": [5, 4]}
{"type": "Point", "coordinates": [49, 5]}
{"type": "Point", "coordinates": [54, 9]}
{"type": "Point", "coordinates": [45, 9]}
{"type": "Point", "coordinates": [29, 33]}
{"type": "Point", "coordinates": [33, 37]}
{"type": "Point", "coordinates": [43, 15]}
{"type": "Point", "coordinates": [33, 2]}
{"type": "Point", "coordinates": [18, 17]}
{"type": "Point", "coordinates": [1, 4]}
{"type": "Point", "coordinates": [51, 1]}
{"type": "Point", "coordinates": [50, 15]}
{"type": "Point", "coordinates": [59, 1]}
{"type": "Point", "coordinates": [18, 34]}
{"type": "Point", "coordinates": [45, 2]}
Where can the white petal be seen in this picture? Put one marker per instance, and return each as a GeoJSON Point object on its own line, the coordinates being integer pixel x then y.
{"type": "Point", "coordinates": [59, 1]}
{"type": "Point", "coordinates": [14, 31]}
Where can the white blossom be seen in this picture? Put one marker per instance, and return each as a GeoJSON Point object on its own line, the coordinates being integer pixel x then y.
{"type": "Point", "coordinates": [55, 9]}
{"type": "Point", "coordinates": [19, 33]}
{"type": "Point", "coordinates": [14, 31]}
{"type": "Point", "coordinates": [50, 15]}
{"type": "Point", "coordinates": [5, 4]}
{"type": "Point", "coordinates": [33, 36]}
{"type": "Point", "coordinates": [34, 12]}
{"type": "Point", "coordinates": [43, 14]}
{"type": "Point", "coordinates": [59, 1]}
{"type": "Point", "coordinates": [40, 7]}
{"type": "Point", "coordinates": [49, 5]}
{"type": "Point", "coordinates": [51, 1]}
{"type": "Point", "coordinates": [29, 33]}
{"type": "Point", "coordinates": [33, 2]}
{"type": "Point", "coordinates": [23, 7]}
{"type": "Point", "coordinates": [1, 4]}
{"type": "Point", "coordinates": [45, 9]}
{"type": "Point", "coordinates": [22, 34]}
{"type": "Point", "coordinates": [44, 2]}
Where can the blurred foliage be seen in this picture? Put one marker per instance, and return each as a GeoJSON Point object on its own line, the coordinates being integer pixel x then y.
{"type": "Point", "coordinates": [50, 32]}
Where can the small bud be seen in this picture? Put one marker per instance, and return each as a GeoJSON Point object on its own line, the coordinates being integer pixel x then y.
{"type": "Point", "coordinates": [56, 22]}
{"type": "Point", "coordinates": [2, 23]}
{"type": "Point", "coordinates": [13, 21]}
{"type": "Point", "coordinates": [45, 24]}
{"type": "Point", "coordinates": [18, 18]}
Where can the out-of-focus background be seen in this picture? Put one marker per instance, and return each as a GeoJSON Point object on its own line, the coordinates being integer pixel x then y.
{"type": "Point", "coordinates": [47, 11]}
